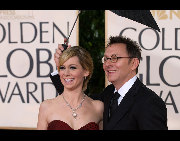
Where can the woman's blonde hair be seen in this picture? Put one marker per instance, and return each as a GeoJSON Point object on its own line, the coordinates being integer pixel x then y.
{"type": "Point", "coordinates": [85, 60]}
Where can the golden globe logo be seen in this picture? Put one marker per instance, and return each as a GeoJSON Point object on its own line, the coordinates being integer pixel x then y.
{"type": "Point", "coordinates": [16, 14]}
{"type": "Point", "coordinates": [166, 14]}
{"type": "Point", "coordinates": [7, 12]}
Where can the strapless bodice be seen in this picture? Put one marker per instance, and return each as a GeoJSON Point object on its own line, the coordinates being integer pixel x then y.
{"type": "Point", "coordinates": [60, 125]}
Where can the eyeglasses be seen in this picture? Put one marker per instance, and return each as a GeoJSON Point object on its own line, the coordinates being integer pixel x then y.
{"type": "Point", "coordinates": [113, 59]}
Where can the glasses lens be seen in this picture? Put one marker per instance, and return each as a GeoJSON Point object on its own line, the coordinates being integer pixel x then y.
{"type": "Point", "coordinates": [114, 59]}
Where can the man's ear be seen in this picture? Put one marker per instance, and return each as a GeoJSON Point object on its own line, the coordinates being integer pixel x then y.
{"type": "Point", "coordinates": [135, 63]}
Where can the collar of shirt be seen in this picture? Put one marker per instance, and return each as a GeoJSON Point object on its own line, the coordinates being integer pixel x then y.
{"type": "Point", "coordinates": [125, 88]}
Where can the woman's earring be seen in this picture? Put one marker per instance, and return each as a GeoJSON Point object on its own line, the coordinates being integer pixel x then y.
{"type": "Point", "coordinates": [84, 77]}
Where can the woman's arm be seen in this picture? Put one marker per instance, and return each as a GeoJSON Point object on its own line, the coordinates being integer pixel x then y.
{"type": "Point", "coordinates": [42, 116]}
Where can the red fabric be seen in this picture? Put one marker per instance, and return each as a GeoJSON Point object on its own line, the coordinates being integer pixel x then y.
{"type": "Point", "coordinates": [60, 125]}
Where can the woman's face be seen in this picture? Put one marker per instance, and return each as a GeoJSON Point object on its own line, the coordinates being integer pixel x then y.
{"type": "Point", "coordinates": [72, 74]}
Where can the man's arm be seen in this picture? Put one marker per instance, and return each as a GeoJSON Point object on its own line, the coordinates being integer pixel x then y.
{"type": "Point", "coordinates": [55, 78]}
{"type": "Point", "coordinates": [57, 82]}
{"type": "Point", "coordinates": [153, 115]}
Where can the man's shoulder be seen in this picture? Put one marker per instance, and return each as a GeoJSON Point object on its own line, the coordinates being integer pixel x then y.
{"type": "Point", "coordinates": [108, 90]}
{"type": "Point", "coordinates": [143, 88]}
{"type": "Point", "coordinates": [110, 87]}
{"type": "Point", "coordinates": [148, 94]}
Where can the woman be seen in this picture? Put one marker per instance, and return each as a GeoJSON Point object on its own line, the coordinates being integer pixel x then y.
{"type": "Point", "coordinates": [72, 110]}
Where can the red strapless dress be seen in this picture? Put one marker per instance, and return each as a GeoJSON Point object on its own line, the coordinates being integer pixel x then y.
{"type": "Point", "coordinates": [60, 125]}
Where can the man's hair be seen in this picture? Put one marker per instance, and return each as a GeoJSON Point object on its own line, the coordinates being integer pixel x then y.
{"type": "Point", "coordinates": [132, 47]}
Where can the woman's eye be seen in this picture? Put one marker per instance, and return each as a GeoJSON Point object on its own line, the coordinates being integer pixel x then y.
{"type": "Point", "coordinates": [72, 67]}
{"type": "Point", "coordinates": [61, 68]}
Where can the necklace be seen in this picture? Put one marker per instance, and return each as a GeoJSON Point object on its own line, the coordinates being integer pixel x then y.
{"type": "Point", "coordinates": [74, 114]}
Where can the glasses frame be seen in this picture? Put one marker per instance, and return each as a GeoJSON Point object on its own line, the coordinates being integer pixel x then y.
{"type": "Point", "coordinates": [114, 58]}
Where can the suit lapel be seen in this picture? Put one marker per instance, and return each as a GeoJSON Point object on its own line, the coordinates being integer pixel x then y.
{"type": "Point", "coordinates": [124, 106]}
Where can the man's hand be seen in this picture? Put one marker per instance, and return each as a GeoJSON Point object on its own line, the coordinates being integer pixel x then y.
{"type": "Point", "coordinates": [58, 53]}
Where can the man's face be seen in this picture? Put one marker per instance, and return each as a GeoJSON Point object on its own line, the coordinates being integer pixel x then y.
{"type": "Point", "coordinates": [120, 72]}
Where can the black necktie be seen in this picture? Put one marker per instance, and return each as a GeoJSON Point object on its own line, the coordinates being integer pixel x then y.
{"type": "Point", "coordinates": [114, 103]}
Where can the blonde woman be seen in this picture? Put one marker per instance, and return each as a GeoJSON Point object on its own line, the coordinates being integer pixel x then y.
{"type": "Point", "coordinates": [72, 110]}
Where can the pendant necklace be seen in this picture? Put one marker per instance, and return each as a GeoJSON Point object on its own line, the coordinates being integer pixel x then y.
{"type": "Point", "coordinates": [74, 114]}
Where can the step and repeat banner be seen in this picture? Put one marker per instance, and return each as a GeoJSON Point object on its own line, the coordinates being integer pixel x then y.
{"type": "Point", "coordinates": [28, 39]}
{"type": "Point", "coordinates": [160, 67]}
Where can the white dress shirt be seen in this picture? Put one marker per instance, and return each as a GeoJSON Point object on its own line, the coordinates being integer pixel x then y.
{"type": "Point", "coordinates": [125, 88]}
{"type": "Point", "coordinates": [54, 73]}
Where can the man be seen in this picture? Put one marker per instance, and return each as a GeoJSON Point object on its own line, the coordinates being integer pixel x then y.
{"type": "Point", "coordinates": [128, 103]}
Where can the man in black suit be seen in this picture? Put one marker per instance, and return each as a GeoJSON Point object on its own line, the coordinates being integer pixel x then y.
{"type": "Point", "coordinates": [128, 103]}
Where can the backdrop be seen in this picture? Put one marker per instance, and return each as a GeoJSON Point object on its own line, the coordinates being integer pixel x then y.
{"type": "Point", "coordinates": [160, 67]}
{"type": "Point", "coordinates": [28, 39]}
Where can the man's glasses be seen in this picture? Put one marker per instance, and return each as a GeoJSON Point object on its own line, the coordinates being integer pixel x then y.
{"type": "Point", "coordinates": [113, 59]}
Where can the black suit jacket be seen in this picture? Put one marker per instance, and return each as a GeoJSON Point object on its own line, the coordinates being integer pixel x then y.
{"type": "Point", "coordinates": [57, 83]}
{"type": "Point", "coordinates": [140, 109]}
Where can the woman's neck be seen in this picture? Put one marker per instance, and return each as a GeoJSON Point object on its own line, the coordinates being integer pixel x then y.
{"type": "Point", "coordinates": [73, 97]}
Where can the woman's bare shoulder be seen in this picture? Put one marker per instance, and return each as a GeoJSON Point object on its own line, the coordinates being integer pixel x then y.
{"type": "Point", "coordinates": [46, 104]}
{"type": "Point", "coordinates": [97, 104]}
